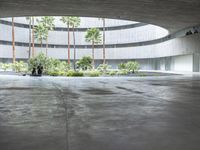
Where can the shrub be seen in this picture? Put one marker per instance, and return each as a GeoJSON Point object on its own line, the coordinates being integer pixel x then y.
{"type": "Point", "coordinates": [92, 73]}
{"type": "Point", "coordinates": [112, 73]}
{"type": "Point", "coordinates": [121, 66]}
{"type": "Point", "coordinates": [72, 73]}
{"type": "Point", "coordinates": [62, 73]}
{"type": "Point", "coordinates": [132, 66]}
{"type": "Point", "coordinates": [20, 66]}
{"type": "Point", "coordinates": [103, 68]}
{"type": "Point", "coordinates": [85, 63]}
{"type": "Point", "coordinates": [57, 65]}
{"type": "Point", "coordinates": [36, 61]}
{"type": "Point", "coordinates": [53, 73]}
{"type": "Point", "coordinates": [57, 73]}
{"type": "Point", "coordinates": [6, 66]}
{"type": "Point", "coordinates": [51, 66]}
{"type": "Point", "coordinates": [122, 72]}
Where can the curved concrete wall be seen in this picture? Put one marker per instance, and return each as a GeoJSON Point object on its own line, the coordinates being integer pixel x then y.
{"type": "Point", "coordinates": [113, 36]}
{"type": "Point", "coordinates": [123, 42]}
{"type": "Point", "coordinates": [179, 46]}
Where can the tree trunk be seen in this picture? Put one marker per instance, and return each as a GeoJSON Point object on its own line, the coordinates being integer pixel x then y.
{"type": "Point", "coordinates": [74, 49]}
{"type": "Point", "coordinates": [13, 40]}
{"type": "Point", "coordinates": [29, 51]}
{"type": "Point", "coordinates": [33, 38]}
{"type": "Point", "coordinates": [47, 46]}
{"type": "Point", "coordinates": [68, 45]}
{"type": "Point", "coordinates": [93, 63]}
{"type": "Point", "coordinates": [104, 49]}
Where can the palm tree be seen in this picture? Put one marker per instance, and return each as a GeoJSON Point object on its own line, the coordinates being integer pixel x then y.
{"type": "Point", "coordinates": [104, 48]}
{"type": "Point", "coordinates": [33, 37]}
{"type": "Point", "coordinates": [40, 33]}
{"type": "Point", "coordinates": [76, 23]}
{"type": "Point", "coordinates": [93, 35]}
{"type": "Point", "coordinates": [69, 22]}
{"type": "Point", "coordinates": [29, 52]}
{"type": "Point", "coordinates": [48, 22]}
{"type": "Point", "coordinates": [13, 40]}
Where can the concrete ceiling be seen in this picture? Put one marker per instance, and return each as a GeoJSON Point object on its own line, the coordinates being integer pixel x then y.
{"type": "Point", "coordinates": [173, 15]}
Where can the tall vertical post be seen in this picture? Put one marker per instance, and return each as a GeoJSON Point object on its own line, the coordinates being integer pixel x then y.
{"type": "Point", "coordinates": [33, 38]}
{"type": "Point", "coordinates": [104, 48]}
{"type": "Point", "coordinates": [29, 51]}
{"type": "Point", "coordinates": [13, 40]}
{"type": "Point", "coordinates": [68, 45]}
{"type": "Point", "coordinates": [93, 63]}
{"type": "Point", "coordinates": [74, 49]}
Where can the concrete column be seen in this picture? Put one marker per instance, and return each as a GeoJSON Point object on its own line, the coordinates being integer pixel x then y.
{"type": "Point", "coordinates": [168, 63]}
{"type": "Point", "coordinates": [196, 62]}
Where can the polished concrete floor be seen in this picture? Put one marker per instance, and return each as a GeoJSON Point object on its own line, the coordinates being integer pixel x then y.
{"type": "Point", "coordinates": [138, 113]}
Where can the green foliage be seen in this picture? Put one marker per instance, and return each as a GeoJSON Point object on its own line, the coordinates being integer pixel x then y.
{"type": "Point", "coordinates": [57, 73]}
{"type": "Point", "coordinates": [93, 35]}
{"type": "Point", "coordinates": [112, 73]}
{"type": "Point", "coordinates": [85, 63]}
{"type": "Point", "coordinates": [48, 22]}
{"type": "Point", "coordinates": [40, 32]}
{"type": "Point", "coordinates": [72, 73]}
{"type": "Point", "coordinates": [36, 61]}
{"type": "Point", "coordinates": [51, 66]}
{"type": "Point", "coordinates": [122, 72]}
{"type": "Point", "coordinates": [122, 66]}
{"type": "Point", "coordinates": [132, 66]}
{"type": "Point", "coordinates": [6, 66]}
{"type": "Point", "coordinates": [53, 73]}
{"type": "Point", "coordinates": [20, 66]}
{"type": "Point", "coordinates": [92, 73]}
{"type": "Point", "coordinates": [1, 65]}
{"type": "Point", "coordinates": [103, 68]}
{"type": "Point", "coordinates": [71, 21]}
{"type": "Point", "coordinates": [55, 65]}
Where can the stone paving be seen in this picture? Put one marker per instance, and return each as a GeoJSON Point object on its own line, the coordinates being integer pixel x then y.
{"type": "Point", "coordinates": [127, 113]}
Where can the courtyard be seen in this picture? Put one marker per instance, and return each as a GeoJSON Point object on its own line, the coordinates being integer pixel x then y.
{"type": "Point", "coordinates": [104, 113]}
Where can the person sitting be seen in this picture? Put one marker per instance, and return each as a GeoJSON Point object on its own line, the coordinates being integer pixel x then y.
{"type": "Point", "coordinates": [34, 71]}
{"type": "Point", "coordinates": [189, 32]}
{"type": "Point", "coordinates": [40, 70]}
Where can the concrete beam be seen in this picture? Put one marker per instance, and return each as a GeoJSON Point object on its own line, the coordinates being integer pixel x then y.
{"type": "Point", "coordinates": [173, 15]}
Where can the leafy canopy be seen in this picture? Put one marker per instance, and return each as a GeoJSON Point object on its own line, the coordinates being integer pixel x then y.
{"type": "Point", "coordinates": [45, 25]}
{"type": "Point", "coordinates": [40, 32]}
{"type": "Point", "coordinates": [93, 35]}
{"type": "Point", "coordinates": [71, 21]}
{"type": "Point", "coordinates": [85, 63]}
{"type": "Point", "coordinates": [48, 22]}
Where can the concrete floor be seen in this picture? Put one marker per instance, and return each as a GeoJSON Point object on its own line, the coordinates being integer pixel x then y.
{"type": "Point", "coordinates": [146, 113]}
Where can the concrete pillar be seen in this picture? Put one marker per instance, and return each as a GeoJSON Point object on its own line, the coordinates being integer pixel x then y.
{"type": "Point", "coordinates": [168, 63]}
{"type": "Point", "coordinates": [196, 62]}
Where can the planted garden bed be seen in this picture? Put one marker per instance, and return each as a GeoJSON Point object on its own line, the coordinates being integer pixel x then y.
{"type": "Point", "coordinates": [55, 67]}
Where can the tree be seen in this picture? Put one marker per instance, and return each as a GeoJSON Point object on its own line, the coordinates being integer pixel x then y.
{"type": "Point", "coordinates": [33, 37]}
{"type": "Point", "coordinates": [76, 23]}
{"type": "Point", "coordinates": [29, 20]}
{"type": "Point", "coordinates": [48, 23]}
{"type": "Point", "coordinates": [40, 32]}
{"type": "Point", "coordinates": [104, 48]}
{"type": "Point", "coordinates": [93, 35]}
{"type": "Point", "coordinates": [69, 21]}
{"type": "Point", "coordinates": [13, 40]}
